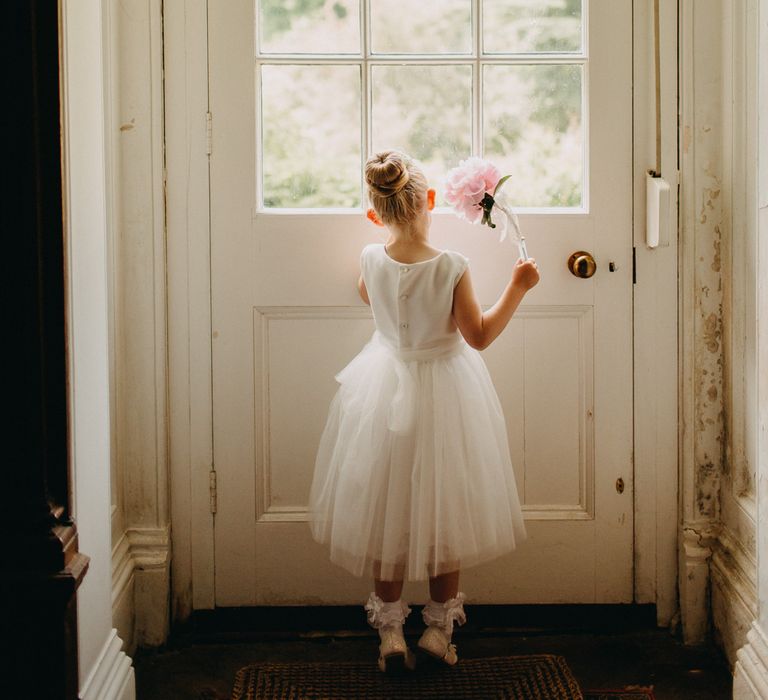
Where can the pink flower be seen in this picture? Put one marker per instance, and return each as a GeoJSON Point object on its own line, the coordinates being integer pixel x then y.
{"type": "Point", "coordinates": [467, 184]}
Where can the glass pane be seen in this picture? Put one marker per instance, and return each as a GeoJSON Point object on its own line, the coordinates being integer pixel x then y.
{"type": "Point", "coordinates": [530, 26]}
{"type": "Point", "coordinates": [311, 144]}
{"type": "Point", "coordinates": [430, 26]}
{"type": "Point", "coordinates": [532, 121]}
{"type": "Point", "coordinates": [309, 26]}
{"type": "Point", "coordinates": [426, 112]}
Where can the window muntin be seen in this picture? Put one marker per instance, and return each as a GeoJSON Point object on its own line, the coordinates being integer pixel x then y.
{"type": "Point", "coordinates": [321, 113]}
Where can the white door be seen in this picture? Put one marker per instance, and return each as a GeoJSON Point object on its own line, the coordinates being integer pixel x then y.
{"type": "Point", "coordinates": [541, 89]}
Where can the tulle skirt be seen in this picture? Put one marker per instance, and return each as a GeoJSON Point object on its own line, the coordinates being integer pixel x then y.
{"type": "Point", "coordinates": [413, 476]}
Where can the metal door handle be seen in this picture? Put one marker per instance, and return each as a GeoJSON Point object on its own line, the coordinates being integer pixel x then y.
{"type": "Point", "coordinates": [582, 264]}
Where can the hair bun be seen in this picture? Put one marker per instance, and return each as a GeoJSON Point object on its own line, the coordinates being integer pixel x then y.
{"type": "Point", "coordinates": [387, 173]}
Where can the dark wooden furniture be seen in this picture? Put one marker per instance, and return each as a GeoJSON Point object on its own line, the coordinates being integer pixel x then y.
{"type": "Point", "coordinates": [41, 566]}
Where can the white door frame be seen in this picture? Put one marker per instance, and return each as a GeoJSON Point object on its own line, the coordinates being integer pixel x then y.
{"type": "Point", "coordinates": [655, 321]}
{"type": "Point", "coordinates": [189, 316]}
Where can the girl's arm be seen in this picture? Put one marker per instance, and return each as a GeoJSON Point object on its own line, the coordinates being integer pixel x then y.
{"type": "Point", "coordinates": [363, 291]}
{"type": "Point", "coordinates": [481, 329]}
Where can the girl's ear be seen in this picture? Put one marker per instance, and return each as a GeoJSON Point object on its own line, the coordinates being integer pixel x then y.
{"type": "Point", "coordinates": [430, 199]}
{"type": "Point", "coordinates": [371, 215]}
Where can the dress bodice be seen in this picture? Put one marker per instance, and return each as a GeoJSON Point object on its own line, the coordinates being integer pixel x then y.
{"type": "Point", "coordinates": [412, 303]}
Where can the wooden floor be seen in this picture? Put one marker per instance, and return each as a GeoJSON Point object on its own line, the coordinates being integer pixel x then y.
{"type": "Point", "coordinates": [605, 646]}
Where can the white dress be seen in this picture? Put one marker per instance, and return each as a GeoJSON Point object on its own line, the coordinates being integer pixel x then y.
{"type": "Point", "coordinates": [413, 476]}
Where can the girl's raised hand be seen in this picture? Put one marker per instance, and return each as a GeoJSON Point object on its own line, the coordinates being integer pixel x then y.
{"type": "Point", "coordinates": [525, 274]}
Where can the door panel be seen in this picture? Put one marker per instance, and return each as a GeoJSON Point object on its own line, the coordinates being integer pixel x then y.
{"type": "Point", "coordinates": [287, 317]}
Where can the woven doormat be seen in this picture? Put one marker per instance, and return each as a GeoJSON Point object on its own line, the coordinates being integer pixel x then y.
{"type": "Point", "coordinates": [534, 677]}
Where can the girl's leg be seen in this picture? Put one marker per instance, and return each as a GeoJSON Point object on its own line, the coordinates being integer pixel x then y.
{"type": "Point", "coordinates": [388, 591]}
{"type": "Point", "coordinates": [443, 587]}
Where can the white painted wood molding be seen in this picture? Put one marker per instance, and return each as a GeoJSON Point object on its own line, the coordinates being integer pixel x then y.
{"type": "Point", "coordinates": [750, 678]}
{"type": "Point", "coordinates": [656, 325]}
{"type": "Point", "coordinates": [751, 672]}
{"type": "Point", "coordinates": [138, 303]}
{"type": "Point", "coordinates": [140, 586]}
{"type": "Point", "coordinates": [189, 303]}
{"type": "Point", "coordinates": [733, 572]}
{"type": "Point", "coordinates": [702, 224]}
{"type": "Point", "coordinates": [112, 677]}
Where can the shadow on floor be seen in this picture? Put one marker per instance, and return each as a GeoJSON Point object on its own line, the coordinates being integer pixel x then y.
{"type": "Point", "coordinates": [605, 647]}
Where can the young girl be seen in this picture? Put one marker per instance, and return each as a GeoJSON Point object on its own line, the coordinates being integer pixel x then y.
{"type": "Point", "coordinates": [413, 477]}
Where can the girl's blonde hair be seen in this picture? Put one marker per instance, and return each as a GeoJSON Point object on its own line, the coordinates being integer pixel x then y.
{"type": "Point", "coordinates": [396, 187]}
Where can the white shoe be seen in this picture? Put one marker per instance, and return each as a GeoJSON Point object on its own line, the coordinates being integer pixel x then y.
{"type": "Point", "coordinates": [435, 642]}
{"type": "Point", "coordinates": [388, 619]}
{"type": "Point", "coordinates": [439, 618]}
{"type": "Point", "coordinates": [394, 654]}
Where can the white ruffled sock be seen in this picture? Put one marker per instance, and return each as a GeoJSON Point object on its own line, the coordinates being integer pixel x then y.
{"type": "Point", "coordinates": [443, 615]}
{"type": "Point", "coordinates": [381, 613]}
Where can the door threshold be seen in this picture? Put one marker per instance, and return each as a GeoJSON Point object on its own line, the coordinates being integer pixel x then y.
{"type": "Point", "coordinates": [224, 625]}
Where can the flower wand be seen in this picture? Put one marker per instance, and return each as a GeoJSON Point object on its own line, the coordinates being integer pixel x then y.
{"type": "Point", "coordinates": [473, 188]}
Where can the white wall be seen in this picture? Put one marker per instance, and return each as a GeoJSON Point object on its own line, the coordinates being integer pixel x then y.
{"type": "Point", "coordinates": [104, 671]}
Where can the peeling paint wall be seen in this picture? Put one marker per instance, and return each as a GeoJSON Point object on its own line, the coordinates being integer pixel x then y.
{"type": "Point", "coordinates": [701, 306]}
{"type": "Point", "coordinates": [718, 279]}
{"type": "Point", "coordinates": [701, 262]}
{"type": "Point", "coordinates": [708, 328]}
{"type": "Point", "coordinates": [718, 324]}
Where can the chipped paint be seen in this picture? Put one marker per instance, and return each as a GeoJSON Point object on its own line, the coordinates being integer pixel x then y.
{"type": "Point", "coordinates": [718, 283]}
{"type": "Point", "coordinates": [708, 490]}
{"type": "Point", "coordinates": [708, 344]}
{"type": "Point", "coordinates": [712, 332]}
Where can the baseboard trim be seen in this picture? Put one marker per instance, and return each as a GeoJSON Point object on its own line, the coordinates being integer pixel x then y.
{"type": "Point", "coordinates": [750, 676]}
{"type": "Point", "coordinates": [734, 592]}
{"type": "Point", "coordinates": [141, 586]}
{"type": "Point", "coordinates": [730, 555]}
{"type": "Point", "coordinates": [122, 569]}
{"type": "Point", "coordinates": [112, 677]}
{"type": "Point", "coordinates": [150, 547]}
{"type": "Point", "coordinates": [139, 548]}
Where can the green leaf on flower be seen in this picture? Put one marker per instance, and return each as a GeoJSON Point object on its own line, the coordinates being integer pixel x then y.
{"type": "Point", "coordinates": [500, 183]}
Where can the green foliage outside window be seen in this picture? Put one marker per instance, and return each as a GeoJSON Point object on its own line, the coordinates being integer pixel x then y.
{"type": "Point", "coordinates": [311, 118]}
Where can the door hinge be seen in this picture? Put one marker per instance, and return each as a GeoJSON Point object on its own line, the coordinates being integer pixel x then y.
{"type": "Point", "coordinates": [208, 133]}
{"type": "Point", "coordinates": [634, 265]}
{"type": "Point", "coordinates": [212, 489]}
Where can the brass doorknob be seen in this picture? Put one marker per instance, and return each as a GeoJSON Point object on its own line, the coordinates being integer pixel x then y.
{"type": "Point", "coordinates": [582, 264]}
